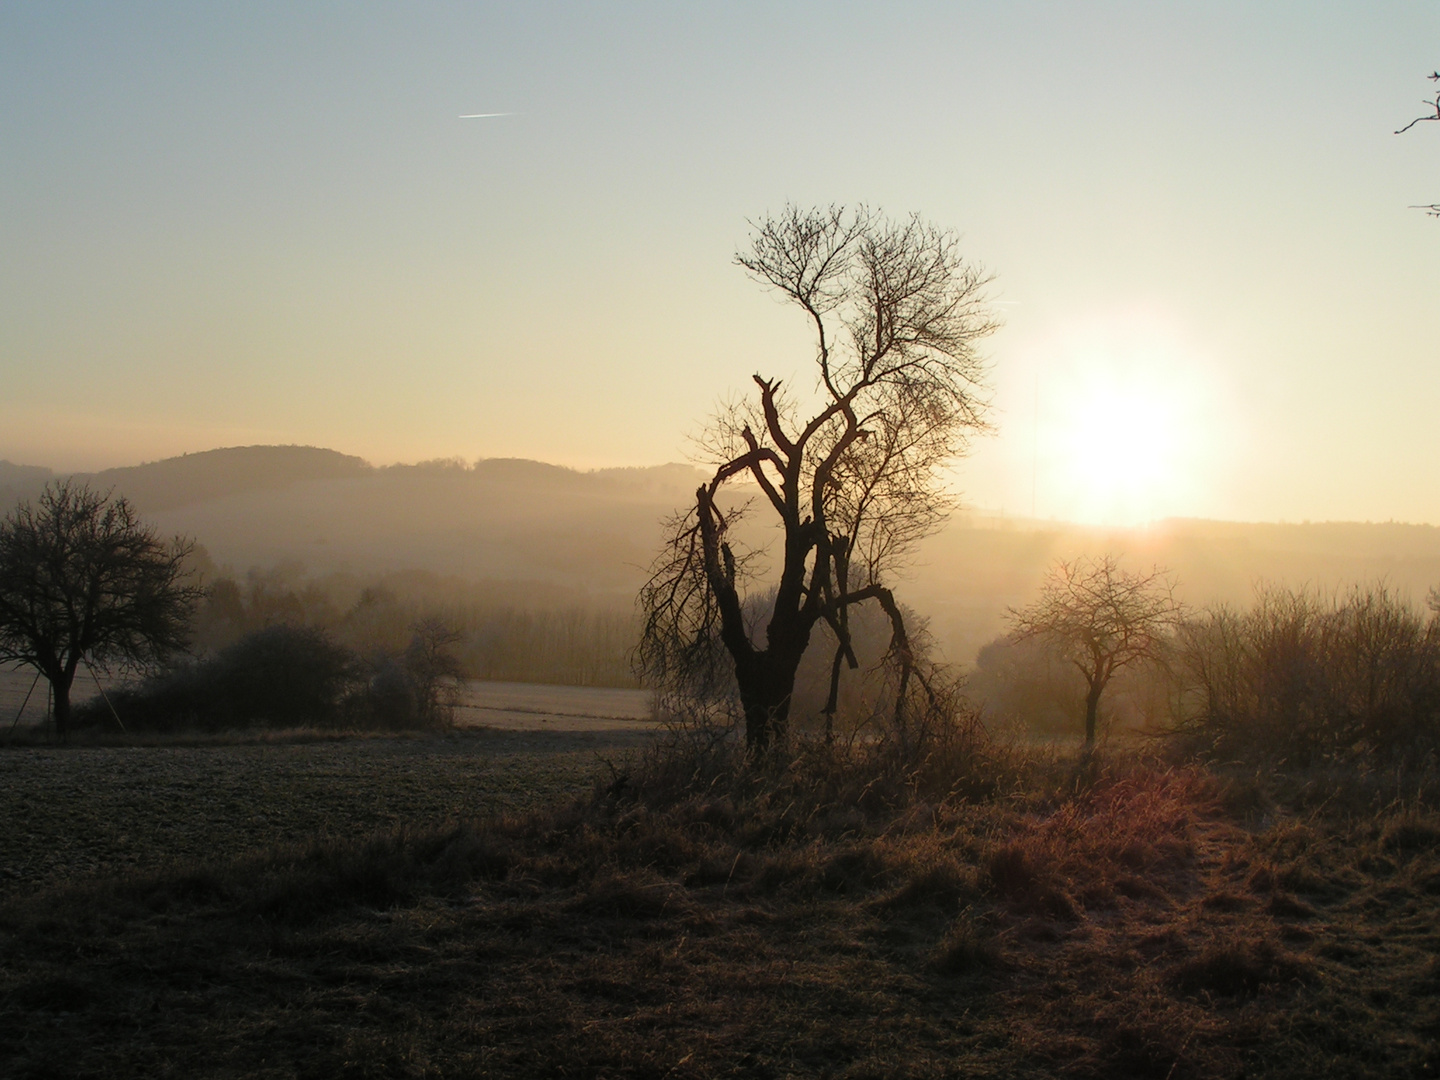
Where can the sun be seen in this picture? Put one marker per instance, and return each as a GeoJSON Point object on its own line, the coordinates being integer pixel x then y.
{"type": "Point", "coordinates": [1127, 426]}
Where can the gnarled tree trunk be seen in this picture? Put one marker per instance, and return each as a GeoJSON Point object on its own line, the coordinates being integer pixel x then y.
{"type": "Point", "coordinates": [767, 685]}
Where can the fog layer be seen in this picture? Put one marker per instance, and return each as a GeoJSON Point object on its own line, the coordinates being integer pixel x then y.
{"type": "Point", "coordinates": [556, 535]}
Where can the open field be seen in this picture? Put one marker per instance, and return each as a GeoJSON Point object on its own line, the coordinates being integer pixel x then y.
{"type": "Point", "coordinates": [76, 812]}
{"type": "Point", "coordinates": [1148, 921]}
{"type": "Point", "coordinates": [510, 706]}
{"type": "Point", "coordinates": [138, 804]}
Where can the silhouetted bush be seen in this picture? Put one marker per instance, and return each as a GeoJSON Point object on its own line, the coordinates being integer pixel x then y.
{"type": "Point", "coordinates": [279, 676]}
{"type": "Point", "coordinates": [1306, 680]}
{"type": "Point", "coordinates": [286, 676]}
{"type": "Point", "coordinates": [283, 676]}
{"type": "Point", "coordinates": [391, 698]}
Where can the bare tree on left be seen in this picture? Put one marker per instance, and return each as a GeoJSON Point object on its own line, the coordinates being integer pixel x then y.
{"type": "Point", "coordinates": [83, 580]}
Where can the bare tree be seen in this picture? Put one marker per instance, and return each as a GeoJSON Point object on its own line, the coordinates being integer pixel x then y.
{"type": "Point", "coordinates": [849, 472]}
{"type": "Point", "coordinates": [1102, 619]}
{"type": "Point", "coordinates": [82, 579]}
{"type": "Point", "coordinates": [1433, 209]}
{"type": "Point", "coordinates": [434, 670]}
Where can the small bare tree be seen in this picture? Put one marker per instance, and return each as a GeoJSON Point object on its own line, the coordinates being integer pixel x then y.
{"type": "Point", "coordinates": [434, 670]}
{"type": "Point", "coordinates": [1102, 619]}
{"type": "Point", "coordinates": [849, 473]}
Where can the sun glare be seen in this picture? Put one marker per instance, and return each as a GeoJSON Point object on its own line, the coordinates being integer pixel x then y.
{"type": "Point", "coordinates": [1128, 426]}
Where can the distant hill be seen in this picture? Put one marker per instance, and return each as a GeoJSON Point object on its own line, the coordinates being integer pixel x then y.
{"type": "Point", "coordinates": [503, 519]}
{"type": "Point", "coordinates": [18, 482]}
{"type": "Point", "coordinates": [532, 529]}
{"type": "Point", "coordinates": [11, 474]}
{"type": "Point", "coordinates": [191, 478]}
{"type": "Point", "coordinates": [217, 474]}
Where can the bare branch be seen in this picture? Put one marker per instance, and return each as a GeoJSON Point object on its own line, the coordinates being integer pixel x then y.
{"type": "Point", "coordinates": [1433, 105]}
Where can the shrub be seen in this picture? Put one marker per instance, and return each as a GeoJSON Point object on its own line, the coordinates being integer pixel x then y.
{"type": "Point", "coordinates": [1306, 680]}
{"type": "Point", "coordinates": [281, 676]}
{"type": "Point", "coordinates": [292, 676]}
{"type": "Point", "coordinates": [1026, 683]}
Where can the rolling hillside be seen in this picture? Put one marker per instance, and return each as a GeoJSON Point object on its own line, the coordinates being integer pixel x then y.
{"type": "Point", "coordinates": [539, 528]}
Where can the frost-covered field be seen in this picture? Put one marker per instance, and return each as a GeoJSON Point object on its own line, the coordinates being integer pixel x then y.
{"type": "Point", "coordinates": [87, 810]}
{"type": "Point", "coordinates": [529, 707]}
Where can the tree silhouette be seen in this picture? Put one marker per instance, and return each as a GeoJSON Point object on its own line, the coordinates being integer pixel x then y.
{"type": "Point", "coordinates": [434, 670]}
{"type": "Point", "coordinates": [848, 472]}
{"type": "Point", "coordinates": [1433, 209]}
{"type": "Point", "coordinates": [82, 579]}
{"type": "Point", "coordinates": [1100, 618]}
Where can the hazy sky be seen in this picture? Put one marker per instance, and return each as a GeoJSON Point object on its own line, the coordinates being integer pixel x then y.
{"type": "Point", "coordinates": [266, 223]}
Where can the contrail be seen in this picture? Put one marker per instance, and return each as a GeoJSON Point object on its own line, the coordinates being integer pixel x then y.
{"type": "Point", "coordinates": [482, 115]}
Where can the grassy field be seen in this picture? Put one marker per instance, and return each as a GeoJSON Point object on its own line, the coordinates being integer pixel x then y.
{"type": "Point", "coordinates": [1139, 920]}
{"type": "Point", "coordinates": [114, 804]}
{"type": "Point", "coordinates": [86, 810]}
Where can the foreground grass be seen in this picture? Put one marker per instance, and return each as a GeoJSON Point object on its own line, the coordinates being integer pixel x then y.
{"type": "Point", "coordinates": [1142, 921]}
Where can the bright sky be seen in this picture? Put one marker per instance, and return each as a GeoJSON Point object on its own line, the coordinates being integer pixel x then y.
{"type": "Point", "coordinates": [251, 223]}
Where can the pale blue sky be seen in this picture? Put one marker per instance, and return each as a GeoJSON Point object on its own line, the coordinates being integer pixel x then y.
{"type": "Point", "coordinates": [266, 223]}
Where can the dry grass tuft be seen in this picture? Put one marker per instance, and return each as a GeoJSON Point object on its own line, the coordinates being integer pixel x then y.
{"type": "Point", "coordinates": [1410, 832]}
{"type": "Point", "coordinates": [635, 895]}
{"type": "Point", "coordinates": [964, 950]}
{"type": "Point", "coordinates": [1236, 968]}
